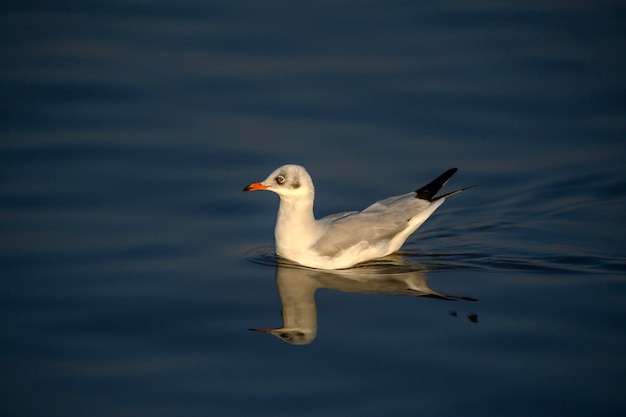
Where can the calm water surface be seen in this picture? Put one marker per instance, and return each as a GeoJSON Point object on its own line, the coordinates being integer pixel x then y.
{"type": "Point", "coordinates": [132, 265]}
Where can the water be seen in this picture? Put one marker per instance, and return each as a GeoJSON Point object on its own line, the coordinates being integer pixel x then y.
{"type": "Point", "coordinates": [133, 266]}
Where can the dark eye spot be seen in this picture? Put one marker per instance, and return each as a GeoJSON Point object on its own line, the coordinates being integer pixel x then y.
{"type": "Point", "coordinates": [285, 336]}
{"type": "Point", "coordinates": [280, 179]}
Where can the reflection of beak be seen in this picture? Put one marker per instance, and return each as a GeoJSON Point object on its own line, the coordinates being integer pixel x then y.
{"type": "Point", "coordinates": [256, 186]}
{"type": "Point", "coordinates": [261, 330]}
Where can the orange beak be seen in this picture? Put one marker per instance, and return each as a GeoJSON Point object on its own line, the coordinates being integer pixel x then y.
{"type": "Point", "coordinates": [256, 186]}
{"type": "Point", "coordinates": [261, 330]}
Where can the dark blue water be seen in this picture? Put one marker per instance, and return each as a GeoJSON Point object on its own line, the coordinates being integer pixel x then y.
{"type": "Point", "coordinates": [132, 265]}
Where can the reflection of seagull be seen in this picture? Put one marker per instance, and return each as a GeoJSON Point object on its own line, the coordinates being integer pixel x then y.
{"type": "Point", "coordinates": [345, 239]}
{"type": "Point", "coordinates": [297, 286]}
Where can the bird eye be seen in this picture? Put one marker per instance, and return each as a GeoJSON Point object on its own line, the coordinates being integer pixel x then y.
{"type": "Point", "coordinates": [280, 179]}
{"type": "Point", "coordinates": [286, 336]}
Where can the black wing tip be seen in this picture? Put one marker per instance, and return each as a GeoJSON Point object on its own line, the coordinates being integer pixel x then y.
{"type": "Point", "coordinates": [451, 193]}
{"type": "Point", "coordinates": [428, 191]}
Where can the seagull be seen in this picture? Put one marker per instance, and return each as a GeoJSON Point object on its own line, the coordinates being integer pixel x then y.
{"type": "Point", "coordinates": [342, 240]}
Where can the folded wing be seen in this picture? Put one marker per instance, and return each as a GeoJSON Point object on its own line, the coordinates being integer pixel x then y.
{"type": "Point", "coordinates": [377, 224]}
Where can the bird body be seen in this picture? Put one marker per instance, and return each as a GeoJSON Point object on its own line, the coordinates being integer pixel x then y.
{"type": "Point", "coordinates": [345, 239]}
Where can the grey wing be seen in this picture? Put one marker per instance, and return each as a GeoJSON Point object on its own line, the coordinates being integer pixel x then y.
{"type": "Point", "coordinates": [333, 217]}
{"type": "Point", "coordinates": [377, 223]}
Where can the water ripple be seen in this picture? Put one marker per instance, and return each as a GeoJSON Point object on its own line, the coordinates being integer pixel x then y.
{"type": "Point", "coordinates": [439, 261]}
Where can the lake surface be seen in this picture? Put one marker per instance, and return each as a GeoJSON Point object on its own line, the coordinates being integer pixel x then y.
{"type": "Point", "coordinates": [132, 265]}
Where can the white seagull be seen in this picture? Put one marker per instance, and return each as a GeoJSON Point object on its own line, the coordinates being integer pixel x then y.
{"type": "Point", "coordinates": [345, 239]}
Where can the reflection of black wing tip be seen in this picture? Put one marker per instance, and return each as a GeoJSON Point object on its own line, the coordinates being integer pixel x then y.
{"type": "Point", "coordinates": [473, 317]}
{"type": "Point", "coordinates": [449, 297]}
{"type": "Point", "coordinates": [428, 191]}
